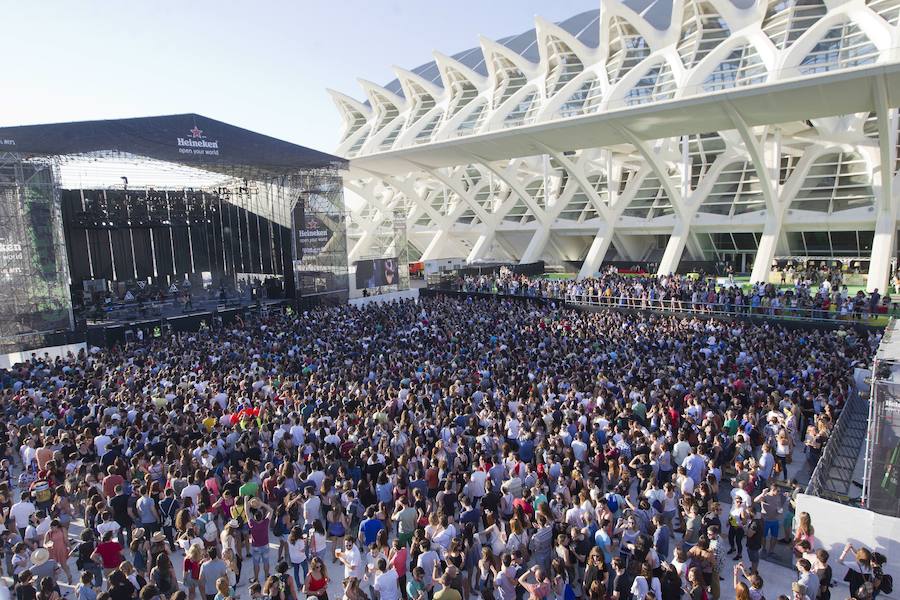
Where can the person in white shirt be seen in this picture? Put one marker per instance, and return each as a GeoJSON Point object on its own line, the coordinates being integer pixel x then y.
{"type": "Point", "coordinates": [478, 478]}
{"type": "Point", "coordinates": [351, 558]}
{"type": "Point", "coordinates": [21, 512]}
{"type": "Point", "coordinates": [101, 442]}
{"type": "Point", "coordinates": [192, 491]}
{"type": "Point", "coordinates": [427, 560]}
{"type": "Point", "coordinates": [681, 449]}
{"type": "Point", "coordinates": [107, 525]}
{"type": "Point", "coordinates": [513, 425]}
{"type": "Point", "coordinates": [312, 507]}
{"type": "Point", "coordinates": [386, 584]}
{"type": "Point", "coordinates": [579, 449]}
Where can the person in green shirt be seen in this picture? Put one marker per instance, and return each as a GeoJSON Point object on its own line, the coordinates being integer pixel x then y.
{"type": "Point", "coordinates": [250, 489]}
{"type": "Point", "coordinates": [415, 587]}
{"type": "Point", "coordinates": [731, 423]}
{"type": "Point", "coordinates": [640, 411]}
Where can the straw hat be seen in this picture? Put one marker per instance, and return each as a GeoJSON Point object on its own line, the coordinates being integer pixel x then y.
{"type": "Point", "coordinates": [138, 533]}
{"type": "Point", "coordinates": [255, 503]}
{"type": "Point", "coordinates": [234, 523]}
{"type": "Point", "coordinates": [39, 557]}
{"type": "Point", "coordinates": [158, 537]}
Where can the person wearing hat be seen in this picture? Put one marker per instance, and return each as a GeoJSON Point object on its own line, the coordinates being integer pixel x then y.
{"type": "Point", "coordinates": [42, 565]}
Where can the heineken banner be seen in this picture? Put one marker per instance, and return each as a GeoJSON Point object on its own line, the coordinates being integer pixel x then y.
{"type": "Point", "coordinates": [312, 233]}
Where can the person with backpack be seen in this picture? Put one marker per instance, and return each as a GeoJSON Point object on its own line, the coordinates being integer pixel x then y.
{"type": "Point", "coordinates": [859, 571]}
{"type": "Point", "coordinates": [168, 508]}
{"type": "Point", "coordinates": [882, 582]}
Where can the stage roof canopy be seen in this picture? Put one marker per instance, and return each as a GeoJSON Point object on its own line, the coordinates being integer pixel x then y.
{"type": "Point", "coordinates": [188, 139]}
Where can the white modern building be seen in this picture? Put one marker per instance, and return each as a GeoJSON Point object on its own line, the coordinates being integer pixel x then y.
{"type": "Point", "coordinates": [691, 130]}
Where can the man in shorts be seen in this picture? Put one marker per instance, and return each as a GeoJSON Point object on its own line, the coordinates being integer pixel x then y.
{"type": "Point", "coordinates": [259, 515]}
{"type": "Point", "coordinates": [771, 503]}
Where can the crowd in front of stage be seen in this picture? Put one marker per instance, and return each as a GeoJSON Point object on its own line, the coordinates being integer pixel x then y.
{"type": "Point", "coordinates": [434, 450]}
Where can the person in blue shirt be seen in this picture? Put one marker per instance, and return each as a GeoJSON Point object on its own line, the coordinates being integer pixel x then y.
{"type": "Point", "coordinates": [369, 528]}
{"type": "Point", "coordinates": [603, 541]}
{"type": "Point", "coordinates": [526, 449]}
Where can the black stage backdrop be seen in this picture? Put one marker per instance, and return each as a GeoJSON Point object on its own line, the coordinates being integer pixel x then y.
{"type": "Point", "coordinates": [123, 236]}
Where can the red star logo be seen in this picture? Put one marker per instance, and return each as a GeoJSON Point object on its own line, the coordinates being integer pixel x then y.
{"type": "Point", "coordinates": [196, 132]}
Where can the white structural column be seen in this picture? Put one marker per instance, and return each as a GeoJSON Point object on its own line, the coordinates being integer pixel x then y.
{"type": "Point", "coordinates": [768, 243]}
{"type": "Point", "coordinates": [882, 250]}
{"type": "Point", "coordinates": [604, 235]}
{"type": "Point", "coordinates": [536, 245]}
{"type": "Point", "coordinates": [884, 242]}
{"type": "Point", "coordinates": [681, 230]}
{"type": "Point", "coordinates": [466, 199]}
{"type": "Point", "coordinates": [764, 157]}
{"type": "Point", "coordinates": [539, 240]}
{"type": "Point", "coordinates": [597, 251]}
{"type": "Point", "coordinates": [367, 237]}
{"type": "Point", "coordinates": [435, 245]}
{"type": "Point", "coordinates": [481, 246]}
{"type": "Point", "coordinates": [674, 248]}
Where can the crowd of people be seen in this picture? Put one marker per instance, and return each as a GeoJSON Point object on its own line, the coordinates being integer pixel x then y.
{"type": "Point", "coordinates": [820, 300]}
{"type": "Point", "coordinates": [434, 450]}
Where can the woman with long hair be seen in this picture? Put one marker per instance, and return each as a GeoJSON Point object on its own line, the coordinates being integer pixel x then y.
{"type": "Point", "coordinates": [316, 580]}
{"type": "Point", "coordinates": [784, 446]}
{"type": "Point", "coordinates": [48, 590]}
{"type": "Point", "coordinates": [163, 575]}
{"type": "Point", "coordinates": [696, 587]}
{"type": "Point", "coordinates": [191, 567]}
{"type": "Point", "coordinates": [487, 567]}
{"type": "Point", "coordinates": [297, 554]}
{"type": "Point", "coordinates": [230, 540]}
{"type": "Point", "coordinates": [62, 507]}
{"type": "Point", "coordinates": [804, 533]}
{"type": "Point", "coordinates": [338, 524]}
{"type": "Point", "coordinates": [352, 591]}
{"type": "Point", "coordinates": [859, 568]}
{"type": "Point", "coordinates": [57, 541]}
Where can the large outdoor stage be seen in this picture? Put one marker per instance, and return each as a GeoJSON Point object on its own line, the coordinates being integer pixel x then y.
{"type": "Point", "coordinates": [110, 225]}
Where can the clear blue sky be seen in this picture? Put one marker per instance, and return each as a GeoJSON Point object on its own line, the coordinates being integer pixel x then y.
{"type": "Point", "coordinates": [260, 65]}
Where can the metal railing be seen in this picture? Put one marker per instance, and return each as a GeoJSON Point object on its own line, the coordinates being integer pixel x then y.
{"type": "Point", "coordinates": [881, 480]}
{"type": "Point", "coordinates": [832, 476]}
{"type": "Point", "coordinates": [726, 310]}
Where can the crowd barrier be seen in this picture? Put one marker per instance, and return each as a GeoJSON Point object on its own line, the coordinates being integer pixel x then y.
{"type": "Point", "coordinates": [795, 314]}
{"type": "Point", "coordinates": [817, 317]}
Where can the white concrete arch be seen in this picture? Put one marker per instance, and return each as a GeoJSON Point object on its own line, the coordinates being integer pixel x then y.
{"type": "Point", "coordinates": [452, 72]}
{"type": "Point", "coordinates": [695, 78]}
{"type": "Point", "coordinates": [355, 116]}
{"type": "Point", "coordinates": [618, 93]}
{"type": "Point", "coordinates": [790, 59]}
{"type": "Point", "coordinates": [387, 114]}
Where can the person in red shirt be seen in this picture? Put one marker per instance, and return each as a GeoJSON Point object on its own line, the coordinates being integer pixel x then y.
{"type": "Point", "coordinates": [111, 481]}
{"type": "Point", "coordinates": [109, 552]}
{"type": "Point", "coordinates": [398, 558]}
